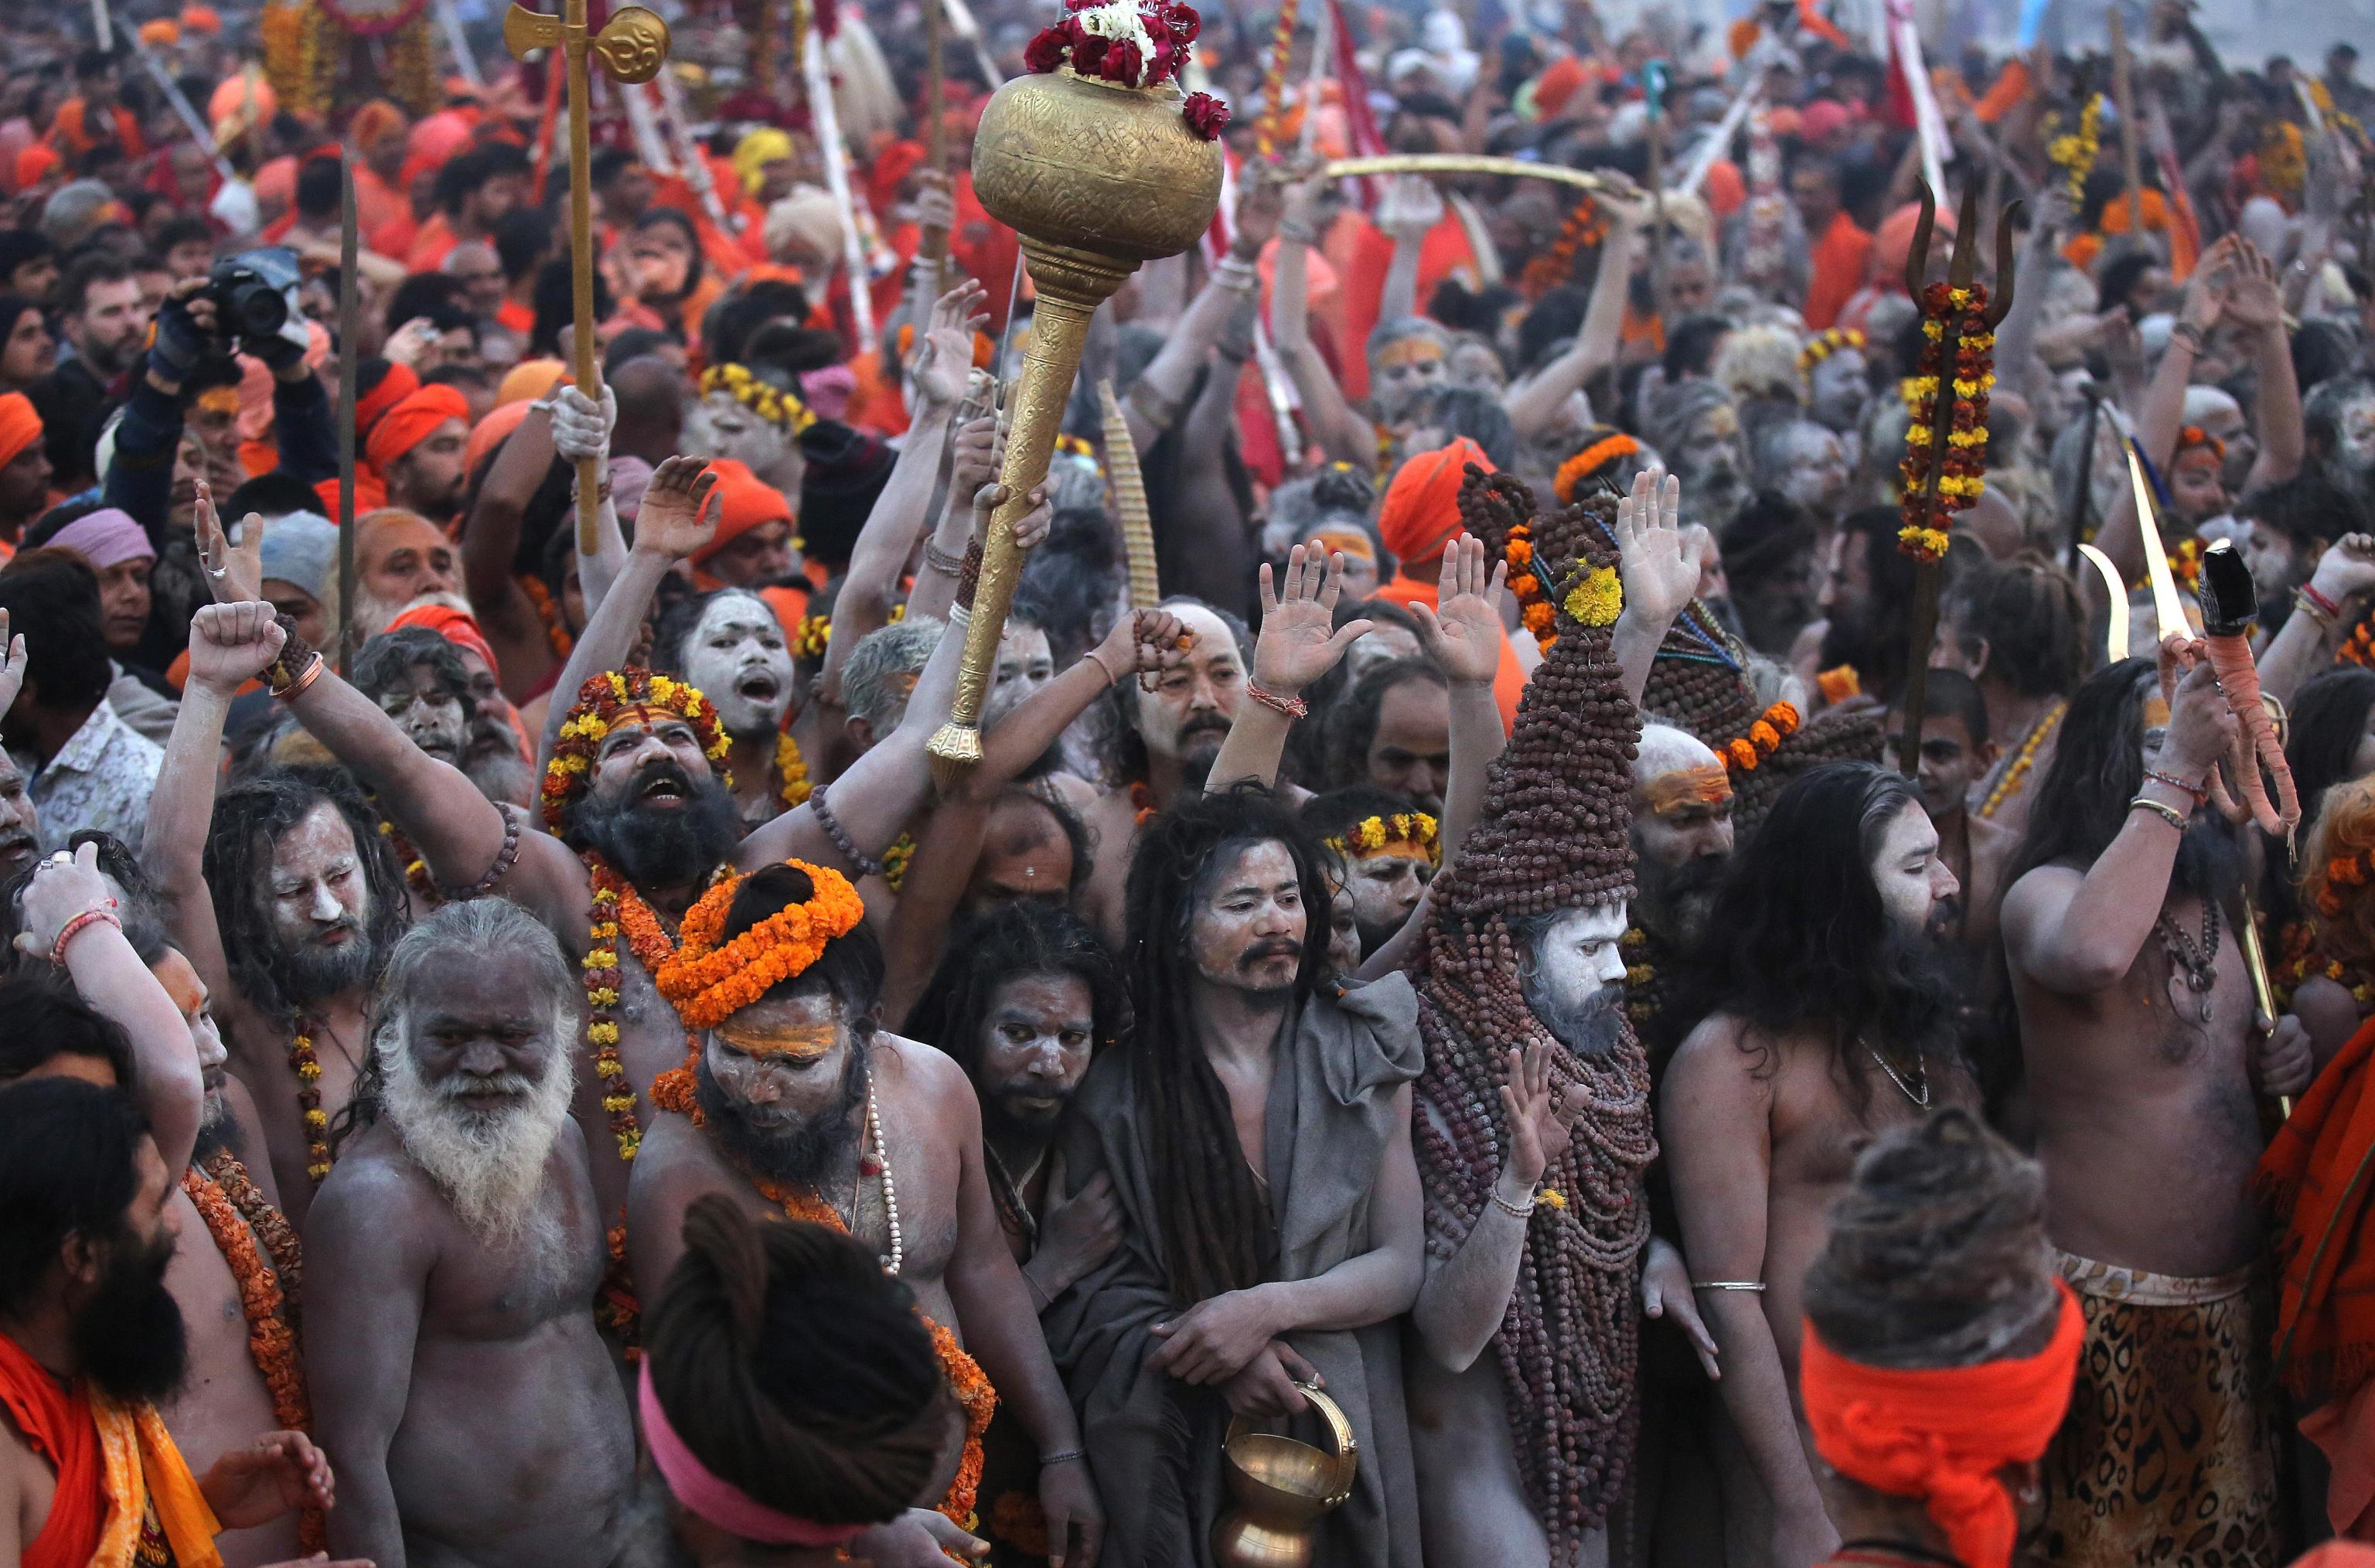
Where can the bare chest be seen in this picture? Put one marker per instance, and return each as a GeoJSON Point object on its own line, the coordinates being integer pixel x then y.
{"type": "Point", "coordinates": [505, 1286]}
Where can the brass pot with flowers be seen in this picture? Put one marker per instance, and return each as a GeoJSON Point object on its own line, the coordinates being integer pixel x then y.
{"type": "Point", "coordinates": [1100, 163]}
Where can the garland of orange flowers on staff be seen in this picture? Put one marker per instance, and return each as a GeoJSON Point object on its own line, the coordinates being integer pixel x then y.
{"type": "Point", "coordinates": [1964, 462]}
{"type": "Point", "coordinates": [556, 635]}
{"type": "Point", "coordinates": [1535, 612]}
{"type": "Point", "coordinates": [1586, 229]}
{"type": "Point", "coordinates": [271, 1341]}
{"type": "Point", "coordinates": [1273, 121]}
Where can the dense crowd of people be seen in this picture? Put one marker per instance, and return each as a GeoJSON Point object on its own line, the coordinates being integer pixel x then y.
{"type": "Point", "coordinates": [1498, 995]}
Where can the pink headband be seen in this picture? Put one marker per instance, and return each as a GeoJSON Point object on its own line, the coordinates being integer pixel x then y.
{"type": "Point", "coordinates": [721, 1502]}
{"type": "Point", "coordinates": [104, 538]}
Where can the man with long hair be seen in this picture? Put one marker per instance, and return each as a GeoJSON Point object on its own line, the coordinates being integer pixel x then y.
{"type": "Point", "coordinates": [2143, 1068]}
{"type": "Point", "coordinates": [1257, 1135]}
{"type": "Point", "coordinates": [1831, 1017]}
{"type": "Point", "coordinates": [451, 1261]}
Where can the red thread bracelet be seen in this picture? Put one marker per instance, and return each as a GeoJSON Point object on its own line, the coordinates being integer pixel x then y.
{"type": "Point", "coordinates": [1293, 707]}
{"type": "Point", "coordinates": [75, 927]}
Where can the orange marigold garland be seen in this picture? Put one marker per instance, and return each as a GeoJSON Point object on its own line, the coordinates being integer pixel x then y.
{"type": "Point", "coordinates": [709, 980]}
{"type": "Point", "coordinates": [1963, 462]}
{"type": "Point", "coordinates": [1586, 229]}
{"type": "Point", "coordinates": [1269, 127]}
{"type": "Point", "coordinates": [1590, 461]}
{"type": "Point", "coordinates": [1744, 753]}
{"type": "Point", "coordinates": [792, 785]}
{"type": "Point", "coordinates": [556, 635]}
{"type": "Point", "coordinates": [1535, 612]}
{"type": "Point", "coordinates": [271, 1340]}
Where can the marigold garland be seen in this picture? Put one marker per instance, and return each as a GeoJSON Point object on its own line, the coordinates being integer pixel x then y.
{"type": "Point", "coordinates": [1744, 753]}
{"type": "Point", "coordinates": [1534, 609]}
{"type": "Point", "coordinates": [1964, 460]}
{"type": "Point", "coordinates": [1590, 461]}
{"type": "Point", "coordinates": [710, 980]}
{"type": "Point", "coordinates": [2074, 152]}
{"type": "Point", "coordinates": [556, 635]}
{"type": "Point", "coordinates": [2359, 648]}
{"type": "Point", "coordinates": [1597, 600]}
{"type": "Point", "coordinates": [1586, 229]}
{"type": "Point", "coordinates": [599, 702]}
{"type": "Point", "coordinates": [600, 975]}
{"type": "Point", "coordinates": [771, 403]}
{"type": "Point", "coordinates": [896, 859]}
{"type": "Point", "coordinates": [416, 869]}
{"type": "Point", "coordinates": [1825, 344]}
{"type": "Point", "coordinates": [792, 785]}
{"type": "Point", "coordinates": [814, 636]}
{"type": "Point", "coordinates": [1269, 126]}
{"type": "Point", "coordinates": [308, 1069]}
{"type": "Point", "coordinates": [2018, 769]}
{"type": "Point", "coordinates": [271, 1339]}
{"type": "Point", "coordinates": [1372, 834]}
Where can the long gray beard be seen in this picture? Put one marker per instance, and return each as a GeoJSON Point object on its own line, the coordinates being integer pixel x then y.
{"type": "Point", "coordinates": [501, 776]}
{"type": "Point", "coordinates": [489, 1165]}
{"type": "Point", "coordinates": [1590, 1028]}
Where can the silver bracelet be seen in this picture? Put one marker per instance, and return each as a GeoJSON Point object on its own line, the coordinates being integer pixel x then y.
{"type": "Point", "coordinates": [1505, 1206]}
{"type": "Point", "coordinates": [960, 615]}
{"type": "Point", "coordinates": [1065, 1457]}
{"type": "Point", "coordinates": [1749, 1287]}
{"type": "Point", "coordinates": [1236, 277]}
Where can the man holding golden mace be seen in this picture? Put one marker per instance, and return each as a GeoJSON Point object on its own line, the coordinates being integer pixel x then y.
{"type": "Point", "coordinates": [632, 46]}
{"type": "Point", "coordinates": [1100, 164]}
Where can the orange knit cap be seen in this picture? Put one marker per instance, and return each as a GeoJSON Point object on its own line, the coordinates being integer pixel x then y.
{"type": "Point", "coordinates": [412, 421]}
{"type": "Point", "coordinates": [1420, 512]}
{"type": "Point", "coordinates": [453, 625]}
{"type": "Point", "coordinates": [1941, 1433]}
{"type": "Point", "coordinates": [19, 426]}
{"type": "Point", "coordinates": [160, 33]}
{"type": "Point", "coordinates": [744, 502]}
{"type": "Point", "coordinates": [34, 164]}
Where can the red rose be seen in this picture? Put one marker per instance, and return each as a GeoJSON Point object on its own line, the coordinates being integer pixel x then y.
{"type": "Point", "coordinates": [1044, 52]}
{"type": "Point", "coordinates": [1088, 51]}
{"type": "Point", "coordinates": [1184, 22]}
{"type": "Point", "coordinates": [1207, 115]}
{"type": "Point", "coordinates": [1123, 63]}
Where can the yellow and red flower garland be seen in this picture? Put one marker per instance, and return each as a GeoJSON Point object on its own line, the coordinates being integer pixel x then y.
{"type": "Point", "coordinates": [598, 703]}
{"type": "Point", "coordinates": [1960, 479]}
{"type": "Point", "coordinates": [2074, 152]}
{"type": "Point", "coordinates": [792, 785]}
{"type": "Point", "coordinates": [1270, 126]}
{"type": "Point", "coordinates": [1372, 834]}
{"type": "Point", "coordinates": [770, 402]}
{"type": "Point", "coordinates": [308, 1069]}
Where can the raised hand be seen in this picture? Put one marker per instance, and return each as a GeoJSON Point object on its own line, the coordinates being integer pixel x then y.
{"type": "Point", "coordinates": [676, 519]}
{"type": "Point", "coordinates": [232, 644]}
{"type": "Point", "coordinates": [1412, 206]}
{"type": "Point", "coordinates": [1539, 1126]}
{"type": "Point", "coordinates": [1031, 529]}
{"type": "Point", "coordinates": [977, 452]}
{"type": "Point", "coordinates": [1146, 641]}
{"type": "Point", "coordinates": [1296, 645]}
{"type": "Point", "coordinates": [234, 576]}
{"type": "Point", "coordinates": [1462, 633]}
{"type": "Point", "coordinates": [64, 885]}
{"type": "Point", "coordinates": [580, 430]}
{"type": "Point", "coordinates": [2255, 298]}
{"type": "Point", "coordinates": [12, 665]}
{"type": "Point", "coordinates": [1660, 566]}
{"type": "Point", "coordinates": [2205, 293]}
{"type": "Point", "coordinates": [943, 368]}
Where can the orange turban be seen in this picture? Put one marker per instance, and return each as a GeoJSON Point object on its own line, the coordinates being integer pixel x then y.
{"type": "Point", "coordinates": [161, 32]}
{"type": "Point", "coordinates": [1557, 83]}
{"type": "Point", "coordinates": [1420, 512]}
{"type": "Point", "coordinates": [529, 380]}
{"type": "Point", "coordinates": [394, 388]}
{"type": "Point", "coordinates": [371, 494]}
{"type": "Point", "coordinates": [492, 432]}
{"type": "Point", "coordinates": [744, 502]}
{"type": "Point", "coordinates": [1941, 1433]}
{"type": "Point", "coordinates": [1893, 241]}
{"type": "Point", "coordinates": [231, 97]}
{"type": "Point", "coordinates": [413, 421]}
{"type": "Point", "coordinates": [201, 19]}
{"type": "Point", "coordinates": [453, 625]}
{"type": "Point", "coordinates": [19, 426]}
{"type": "Point", "coordinates": [34, 163]}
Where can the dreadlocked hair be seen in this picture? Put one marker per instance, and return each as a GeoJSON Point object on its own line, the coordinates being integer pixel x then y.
{"type": "Point", "coordinates": [2027, 611]}
{"type": "Point", "coordinates": [248, 820]}
{"type": "Point", "coordinates": [1936, 1256]}
{"type": "Point", "coordinates": [2097, 769]}
{"type": "Point", "coordinates": [795, 1369]}
{"type": "Point", "coordinates": [1552, 838]}
{"type": "Point", "coordinates": [1215, 1225]}
{"type": "Point", "coordinates": [1026, 938]}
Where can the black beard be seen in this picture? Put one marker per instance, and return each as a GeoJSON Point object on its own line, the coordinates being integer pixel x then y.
{"type": "Point", "coordinates": [1672, 903]}
{"type": "Point", "coordinates": [1589, 1029]}
{"type": "Point", "coordinates": [2209, 859]}
{"type": "Point", "coordinates": [803, 1154]}
{"type": "Point", "coordinates": [129, 1338]}
{"type": "Point", "coordinates": [661, 849]}
{"type": "Point", "coordinates": [309, 974]}
{"type": "Point", "coordinates": [1035, 1127]}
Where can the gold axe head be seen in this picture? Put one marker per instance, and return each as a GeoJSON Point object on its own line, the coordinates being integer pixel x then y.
{"type": "Point", "coordinates": [632, 45]}
{"type": "Point", "coordinates": [2115, 646]}
{"type": "Point", "coordinates": [2168, 610]}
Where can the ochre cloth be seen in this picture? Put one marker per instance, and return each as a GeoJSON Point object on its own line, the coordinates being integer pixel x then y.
{"type": "Point", "coordinates": [2184, 246]}
{"type": "Point", "coordinates": [1941, 1433]}
{"type": "Point", "coordinates": [371, 493]}
{"type": "Point", "coordinates": [118, 1474]}
{"type": "Point", "coordinates": [72, 133]}
{"type": "Point", "coordinates": [2319, 1173]}
{"type": "Point", "coordinates": [454, 625]}
{"type": "Point", "coordinates": [19, 426]}
{"type": "Point", "coordinates": [492, 432]}
{"type": "Point", "coordinates": [412, 421]}
{"type": "Point", "coordinates": [744, 502]}
{"type": "Point", "coordinates": [1509, 677]}
{"type": "Point", "coordinates": [1445, 252]}
{"type": "Point", "coordinates": [1421, 512]}
{"type": "Point", "coordinates": [391, 389]}
{"type": "Point", "coordinates": [1836, 271]}
{"type": "Point", "coordinates": [2167, 1458]}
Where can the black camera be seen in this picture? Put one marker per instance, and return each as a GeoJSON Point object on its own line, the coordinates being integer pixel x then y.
{"type": "Point", "coordinates": [256, 294]}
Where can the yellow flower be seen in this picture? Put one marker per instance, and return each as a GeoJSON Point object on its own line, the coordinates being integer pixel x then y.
{"type": "Point", "coordinates": [1551, 1196]}
{"type": "Point", "coordinates": [1598, 599]}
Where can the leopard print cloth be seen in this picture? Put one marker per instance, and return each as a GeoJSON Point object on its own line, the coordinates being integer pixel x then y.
{"type": "Point", "coordinates": [2168, 1457]}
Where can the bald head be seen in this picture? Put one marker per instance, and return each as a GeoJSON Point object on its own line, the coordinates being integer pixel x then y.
{"type": "Point", "coordinates": [651, 409]}
{"type": "Point", "coordinates": [1682, 830]}
{"type": "Point", "coordinates": [1665, 749]}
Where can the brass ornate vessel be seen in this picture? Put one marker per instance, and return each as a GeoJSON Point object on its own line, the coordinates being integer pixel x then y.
{"type": "Point", "coordinates": [1096, 178]}
{"type": "Point", "coordinates": [1282, 1488]}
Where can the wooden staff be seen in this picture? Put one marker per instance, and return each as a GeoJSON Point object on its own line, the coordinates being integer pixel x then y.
{"type": "Point", "coordinates": [350, 359]}
{"type": "Point", "coordinates": [1959, 268]}
{"type": "Point", "coordinates": [932, 241]}
{"type": "Point", "coordinates": [632, 46]}
{"type": "Point", "coordinates": [2123, 99]}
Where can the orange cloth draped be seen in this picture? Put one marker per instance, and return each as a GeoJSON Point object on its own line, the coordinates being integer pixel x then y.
{"type": "Point", "coordinates": [513, 317]}
{"type": "Point", "coordinates": [2319, 1169]}
{"type": "Point", "coordinates": [377, 203]}
{"type": "Point", "coordinates": [114, 1464]}
{"type": "Point", "coordinates": [412, 421]}
{"type": "Point", "coordinates": [984, 247]}
{"type": "Point", "coordinates": [1839, 260]}
{"type": "Point", "coordinates": [71, 134]}
{"type": "Point", "coordinates": [1509, 677]}
{"type": "Point", "coordinates": [371, 493]}
{"type": "Point", "coordinates": [2010, 86]}
{"type": "Point", "coordinates": [430, 245]}
{"type": "Point", "coordinates": [1444, 252]}
{"type": "Point", "coordinates": [1941, 1433]}
{"type": "Point", "coordinates": [2184, 247]}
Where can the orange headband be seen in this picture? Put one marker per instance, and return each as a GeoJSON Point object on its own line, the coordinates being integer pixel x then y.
{"type": "Point", "coordinates": [1941, 1433]}
{"type": "Point", "coordinates": [1706, 783]}
{"type": "Point", "coordinates": [779, 1041]}
{"type": "Point", "coordinates": [1584, 464]}
{"type": "Point", "coordinates": [1351, 541]}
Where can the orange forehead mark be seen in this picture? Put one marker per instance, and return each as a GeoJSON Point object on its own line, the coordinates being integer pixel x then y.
{"type": "Point", "coordinates": [1704, 784]}
{"type": "Point", "coordinates": [799, 1043]}
{"type": "Point", "coordinates": [1410, 351]}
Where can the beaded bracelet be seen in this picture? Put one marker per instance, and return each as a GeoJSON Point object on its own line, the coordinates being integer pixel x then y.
{"type": "Point", "coordinates": [94, 915]}
{"type": "Point", "coordinates": [2168, 814]}
{"type": "Point", "coordinates": [944, 561]}
{"type": "Point", "coordinates": [866, 865]}
{"type": "Point", "coordinates": [295, 688]}
{"type": "Point", "coordinates": [2200, 793]}
{"type": "Point", "coordinates": [505, 858]}
{"type": "Point", "coordinates": [1293, 707]}
{"type": "Point", "coordinates": [1513, 1211]}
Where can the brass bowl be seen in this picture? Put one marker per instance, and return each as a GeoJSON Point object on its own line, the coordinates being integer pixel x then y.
{"type": "Point", "coordinates": [1279, 1474]}
{"type": "Point", "coordinates": [1096, 167]}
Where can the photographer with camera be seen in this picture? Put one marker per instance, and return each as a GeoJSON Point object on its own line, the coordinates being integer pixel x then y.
{"type": "Point", "coordinates": [247, 305]}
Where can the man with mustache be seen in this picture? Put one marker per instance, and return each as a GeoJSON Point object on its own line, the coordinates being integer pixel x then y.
{"type": "Point", "coordinates": [2146, 1068]}
{"type": "Point", "coordinates": [417, 680]}
{"type": "Point", "coordinates": [729, 646]}
{"type": "Point", "coordinates": [633, 806]}
{"type": "Point", "coordinates": [453, 1260]}
{"type": "Point", "coordinates": [284, 893]}
{"type": "Point", "coordinates": [788, 1098]}
{"type": "Point", "coordinates": [244, 1379]}
{"type": "Point", "coordinates": [1955, 751]}
{"type": "Point", "coordinates": [1682, 840]}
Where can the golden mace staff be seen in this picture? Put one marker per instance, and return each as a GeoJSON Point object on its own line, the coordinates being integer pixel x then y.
{"type": "Point", "coordinates": [1096, 178]}
{"type": "Point", "coordinates": [632, 45]}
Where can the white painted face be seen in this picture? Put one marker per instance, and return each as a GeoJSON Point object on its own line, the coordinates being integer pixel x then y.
{"type": "Point", "coordinates": [721, 426]}
{"type": "Point", "coordinates": [2354, 445]}
{"type": "Point", "coordinates": [1025, 665]}
{"type": "Point", "coordinates": [1577, 955]}
{"type": "Point", "coordinates": [736, 655]}
{"type": "Point", "coordinates": [1817, 475]}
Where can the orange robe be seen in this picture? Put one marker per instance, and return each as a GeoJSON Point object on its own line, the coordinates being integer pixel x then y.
{"type": "Point", "coordinates": [1444, 252]}
{"type": "Point", "coordinates": [430, 246]}
{"type": "Point", "coordinates": [1841, 259]}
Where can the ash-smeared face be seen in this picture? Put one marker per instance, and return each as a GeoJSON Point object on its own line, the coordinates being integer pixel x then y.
{"type": "Point", "coordinates": [737, 657]}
